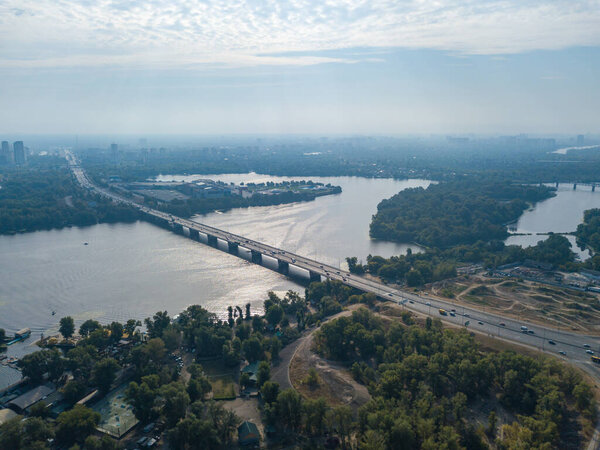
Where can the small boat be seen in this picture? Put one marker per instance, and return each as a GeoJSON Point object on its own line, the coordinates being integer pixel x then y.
{"type": "Point", "coordinates": [53, 312]}
{"type": "Point", "coordinates": [85, 243]}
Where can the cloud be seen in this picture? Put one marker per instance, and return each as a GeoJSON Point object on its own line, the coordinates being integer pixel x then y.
{"type": "Point", "coordinates": [192, 33]}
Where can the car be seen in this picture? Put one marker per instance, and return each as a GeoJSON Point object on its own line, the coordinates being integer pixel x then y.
{"type": "Point", "coordinates": [523, 328]}
{"type": "Point", "coordinates": [480, 322]}
{"type": "Point", "coordinates": [467, 323]}
{"type": "Point", "coordinates": [343, 279]}
{"type": "Point", "coordinates": [338, 272]}
{"type": "Point", "coordinates": [586, 345]}
{"type": "Point", "coordinates": [530, 332]}
{"type": "Point", "coordinates": [589, 352]}
{"type": "Point", "coordinates": [453, 314]}
{"type": "Point", "coordinates": [562, 352]}
{"type": "Point", "coordinates": [321, 267]}
{"type": "Point", "coordinates": [502, 324]}
{"type": "Point", "coordinates": [428, 303]}
{"type": "Point", "coordinates": [453, 310]}
{"type": "Point", "coordinates": [551, 342]}
{"type": "Point", "coordinates": [390, 294]}
{"type": "Point", "coordinates": [411, 301]}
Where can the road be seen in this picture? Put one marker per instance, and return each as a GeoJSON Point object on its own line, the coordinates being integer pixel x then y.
{"type": "Point", "coordinates": [574, 347]}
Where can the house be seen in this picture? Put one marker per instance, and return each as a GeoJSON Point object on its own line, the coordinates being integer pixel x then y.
{"type": "Point", "coordinates": [31, 397]}
{"type": "Point", "coordinates": [251, 369]}
{"type": "Point", "coordinates": [248, 434]}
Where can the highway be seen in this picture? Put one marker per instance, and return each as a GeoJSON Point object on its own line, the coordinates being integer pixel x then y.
{"type": "Point", "coordinates": [562, 343]}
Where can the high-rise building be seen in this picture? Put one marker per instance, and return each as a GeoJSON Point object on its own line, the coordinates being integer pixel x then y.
{"type": "Point", "coordinates": [19, 151]}
{"type": "Point", "coordinates": [580, 140]}
{"type": "Point", "coordinates": [6, 156]}
{"type": "Point", "coordinates": [114, 153]}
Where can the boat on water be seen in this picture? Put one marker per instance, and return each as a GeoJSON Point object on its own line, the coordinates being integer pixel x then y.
{"type": "Point", "coordinates": [23, 333]}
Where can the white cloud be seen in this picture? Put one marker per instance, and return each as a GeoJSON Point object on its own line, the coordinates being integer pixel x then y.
{"type": "Point", "coordinates": [186, 33]}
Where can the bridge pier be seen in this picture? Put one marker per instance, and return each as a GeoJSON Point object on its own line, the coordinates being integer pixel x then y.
{"type": "Point", "coordinates": [283, 267]}
{"type": "Point", "coordinates": [177, 228]}
{"type": "Point", "coordinates": [557, 184]}
{"type": "Point", "coordinates": [212, 241]}
{"type": "Point", "coordinates": [574, 186]}
{"type": "Point", "coordinates": [256, 257]}
{"type": "Point", "coordinates": [233, 247]}
{"type": "Point", "coordinates": [593, 187]}
{"type": "Point", "coordinates": [314, 276]}
{"type": "Point", "coordinates": [195, 235]}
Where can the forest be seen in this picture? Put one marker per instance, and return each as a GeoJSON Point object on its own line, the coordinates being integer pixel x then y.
{"type": "Point", "coordinates": [454, 213]}
{"type": "Point", "coordinates": [45, 196]}
{"type": "Point", "coordinates": [416, 269]}
{"type": "Point", "coordinates": [424, 381]}
{"type": "Point", "coordinates": [588, 232]}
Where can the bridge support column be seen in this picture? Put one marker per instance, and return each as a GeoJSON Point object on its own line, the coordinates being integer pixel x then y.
{"type": "Point", "coordinates": [314, 276]}
{"type": "Point", "coordinates": [194, 235]}
{"type": "Point", "coordinates": [233, 247]}
{"type": "Point", "coordinates": [574, 186]}
{"type": "Point", "coordinates": [593, 187]}
{"type": "Point", "coordinates": [212, 241]}
{"type": "Point", "coordinates": [177, 228]}
{"type": "Point", "coordinates": [557, 184]}
{"type": "Point", "coordinates": [283, 267]}
{"type": "Point", "coordinates": [256, 257]}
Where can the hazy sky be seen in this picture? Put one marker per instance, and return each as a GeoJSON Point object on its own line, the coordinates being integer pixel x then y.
{"type": "Point", "coordinates": [302, 66]}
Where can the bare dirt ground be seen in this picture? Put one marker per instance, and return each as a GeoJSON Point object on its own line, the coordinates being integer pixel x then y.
{"type": "Point", "coordinates": [336, 384]}
{"type": "Point", "coordinates": [546, 305]}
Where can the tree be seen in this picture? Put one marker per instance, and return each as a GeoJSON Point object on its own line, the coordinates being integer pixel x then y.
{"type": "Point", "coordinates": [157, 324]}
{"type": "Point", "coordinates": [198, 387]}
{"type": "Point", "coordinates": [244, 380]}
{"type": "Point", "coordinates": [116, 331]}
{"type": "Point", "coordinates": [76, 424]}
{"type": "Point", "coordinates": [248, 315]}
{"type": "Point", "coordinates": [176, 401]}
{"type": "Point", "coordinates": [263, 374]}
{"type": "Point", "coordinates": [40, 409]}
{"type": "Point", "coordinates": [194, 434]}
{"type": "Point", "coordinates": [342, 418]}
{"type": "Point", "coordinates": [172, 338]}
{"type": "Point", "coordinates": [88, 326]}
{"type": "Point", "coordinates": [269, 391]}
{"type": "Point", "coordinates": [492, 420]}
{"type": "Point", "coordinates": [103, 443]}
{"type": "Point", "coordinates": [67, 327]}
{"type": "Point", "coordinates": [130, 327]}
{"type": "Point", "coordinates": [314, 412]}
{"type": "Point", "coordinates": [142, 397]}
{"type": "Point", "coordinates": [224, 421]}
{"type": "Point", "coordinates": [289, 408]}
{"type": "Point", "coordinates": [252, 349]}
{"type": "Point", "coordinates": [275, 347]}
{"type": "Point", "coordinates": [104, 373]}
{"type": "Point", "coordinates": [312, 379]}
{"type": "Point", "coordinates": [36, 364]}
{"type": "Point", "coordinates": [258, 324]}
{"type": "Point", "coordinates": [274, 315]}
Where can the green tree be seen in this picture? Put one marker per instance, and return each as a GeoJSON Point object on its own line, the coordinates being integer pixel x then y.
{"type": "Point", "coordinates": [269, 391]}
{"type": "Point", "coordinates": [252, 349]}
{"type": "Point", "coordinates": [289, 408]}
{"type": "Point", "coordinates": [314, 412]}
{"type": "Point", "coordinates": [274, 315]}
{"type": "Point", "coordinates": [142, 397]}
{"type": "Point", "coordinates": [176, 401]}
{"type": "Point", "coordinates": [88, 326]}
{"type": "Point", "coordinates": [263, 374]}
{"type": "Point", "coordinates": [76, 424]}
{"type": "Point", "coordinates": [67, 327]}
{"type": "Point", "coordinates": [104, 373]}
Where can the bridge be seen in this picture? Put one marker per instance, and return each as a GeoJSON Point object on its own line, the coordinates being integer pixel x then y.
{"type": "Point", "coordinates": [560, 342]}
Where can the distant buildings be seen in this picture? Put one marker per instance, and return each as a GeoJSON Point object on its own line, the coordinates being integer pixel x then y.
{"type": "Point", "coordinates": [114, 153]}
{"type": "Point", "coordinates": [19, 152]}
{"type": "Point", "coordinates": [6, 156]}
{"type": "Point", "coordinates": [580, 140]}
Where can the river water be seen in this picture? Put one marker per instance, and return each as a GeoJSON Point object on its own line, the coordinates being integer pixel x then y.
{"type": "Point", "coordinates": [133, 270]}
{"type": "Point", "coordinates": [559, 214]}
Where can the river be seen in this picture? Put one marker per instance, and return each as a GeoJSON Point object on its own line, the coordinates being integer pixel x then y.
{"type": "Point", "coordinates": [133, 270]}
{"type": "Point", "coordinates": [559, 214]}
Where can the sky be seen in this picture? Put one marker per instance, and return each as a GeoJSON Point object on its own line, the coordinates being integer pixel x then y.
{"type": "Point", "coordinates": [301, 66]}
